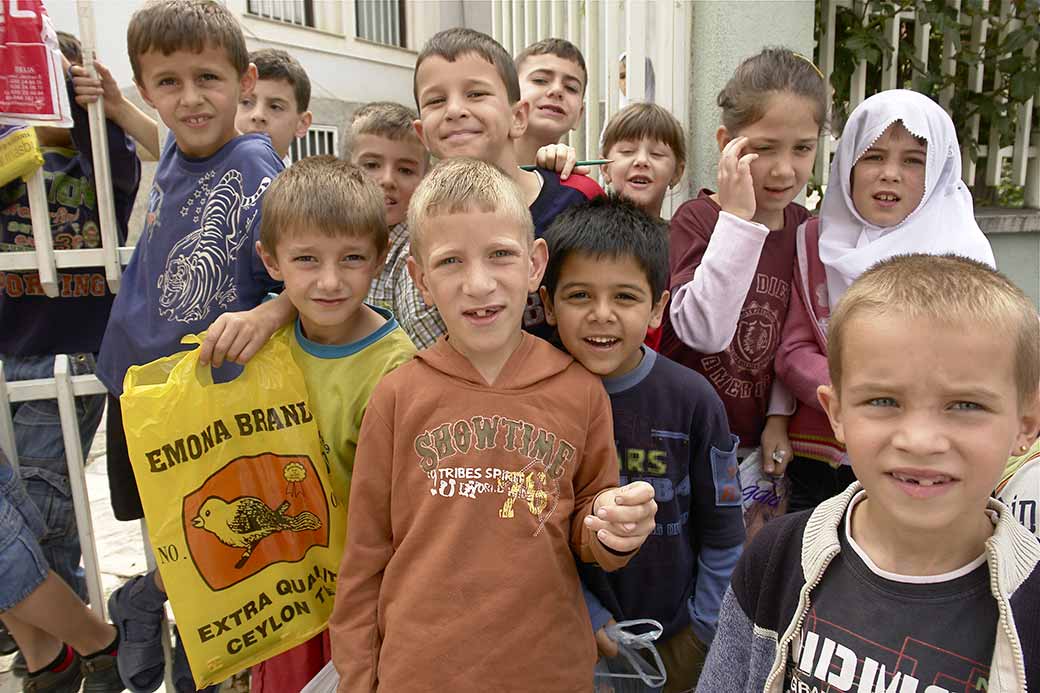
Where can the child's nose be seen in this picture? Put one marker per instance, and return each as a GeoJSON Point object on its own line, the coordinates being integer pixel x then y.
{"type": "Point", "coordinates": [920, 436]}
{"type": "Point", "coordinates": [191, 94]}
{"type": "Point", "coordinates": [783, 167]}
{"type": "Point", "coordinates": [478, 281]}
{"type": "Point", "coordinates": [602, 311]}
{"type": "Point", "coordinates": [454, 108]}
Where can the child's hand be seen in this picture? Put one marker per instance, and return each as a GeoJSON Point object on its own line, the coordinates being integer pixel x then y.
{"type": "Point", "coordinates": [234, 337]}
{"type": "Point", "coordinates": [88, 89]}
{"type": "Point", "coordinates": [560, 158]}
{"type": "Point", "coordinates": [604, 643]}
{"type": "Point", "coordinates": [776, 446]}
{"type": "Point", "coordinates": [736, 188]}
{"type": "Point", "coordinates": [623, 517]}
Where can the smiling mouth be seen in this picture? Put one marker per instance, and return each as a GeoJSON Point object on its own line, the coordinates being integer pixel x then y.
{"type": "Point", "coordinates": [552, 109]}
{"type": "Point", "coordinates": [601, 342]}
{"type": "Point", "coordinates": [777, 191]}
{"type": "Point", "coordinates": [887, 197]}
{"type": "Point", "coordinates": [461, 135]}
{"type": "Point", "coordinates": [196, 121]}
{"type": "Point", "coordinates": [482, 315]}
{"type": "Point", "coordinates": [639, 180]}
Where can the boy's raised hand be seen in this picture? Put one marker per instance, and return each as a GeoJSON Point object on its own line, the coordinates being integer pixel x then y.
{"type": "Point", "coordinates": [88, 88]}
{"type": "Point", "coordinates": [560, 158]}
{"type": "Point", "coordinates": [736, 188]}
{"type": "Point", "coordinates": [623, 518]}
{"type": "Point", "coordinates": [238, 336]}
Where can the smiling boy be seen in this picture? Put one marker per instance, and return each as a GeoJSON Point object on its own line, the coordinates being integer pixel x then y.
{"type": "Point", "coordinates": [552, 81]}
{"type": "Point", "coordinates": [604, 287]}
{"type": "Point", "coordinates": [913, 578]}
{"type": "Point", "coordinates": [484, 466]}
{"type": "Point", "coordinates": [323, 235]}
{"type": "Point", "coordinates": [469, 101]}
{"type": "Point", "coordinates": [194, 267]}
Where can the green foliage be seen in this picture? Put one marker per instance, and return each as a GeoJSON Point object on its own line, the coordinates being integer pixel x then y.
{"type": "Point", "coordinates": [861, 36]}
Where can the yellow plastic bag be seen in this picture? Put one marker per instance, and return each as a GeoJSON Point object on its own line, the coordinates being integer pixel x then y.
{"type": "Point", "coordinates": [19, 153]}
{"type": "Point", "coordinates": [238, 500]}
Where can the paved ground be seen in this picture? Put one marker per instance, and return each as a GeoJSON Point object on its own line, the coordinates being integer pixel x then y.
{"type": "Point", "coordinates": [120, 547]}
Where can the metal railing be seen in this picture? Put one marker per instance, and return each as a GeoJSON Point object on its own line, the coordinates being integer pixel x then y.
{"type": "Point", "coordinates": [382, 21]}
{"type": "Point", "coordinates": [603, 29]}
{"type": "Point", "coordinates": [1024, 153]}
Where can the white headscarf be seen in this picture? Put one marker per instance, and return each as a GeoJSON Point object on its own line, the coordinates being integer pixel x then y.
{"type": "Point", "coordinates": [944, 221]}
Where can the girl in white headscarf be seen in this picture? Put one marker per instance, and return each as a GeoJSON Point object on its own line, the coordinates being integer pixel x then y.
{"type": "Point", "coordinates": [895, 188]}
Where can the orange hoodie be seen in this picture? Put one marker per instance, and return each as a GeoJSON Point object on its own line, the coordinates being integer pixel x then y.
{"type": "Point", "coordinates": [466, 504]}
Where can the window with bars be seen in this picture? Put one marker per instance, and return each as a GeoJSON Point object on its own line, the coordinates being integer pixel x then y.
{"type": "Point", "coordinates": [381, 21]}
{"type": "Point", "coordinates": [320, 139]}
{"type": "Point", "coordinates": [298, 12]}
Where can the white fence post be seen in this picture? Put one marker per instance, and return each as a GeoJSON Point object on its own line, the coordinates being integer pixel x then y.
{"type": "Point", "coordinates": [7, 440]}
{"type": "Point", "coordinates": [78, 481]}
{"type": "Point", "coordinates": [979, 28]}
{"type": "Point", "coordinates": [41, 227]}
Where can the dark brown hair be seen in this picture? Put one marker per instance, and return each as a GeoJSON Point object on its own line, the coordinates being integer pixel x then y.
{"type": "Point", "coordinates": [451, 44]}
{"type": "Point", "coordinates": [561, 48]}
{"type": "Point", "coordinates": [646, 120]}
{"type": "Point", "coordinates": [168, 26]}
{"type": "Point", "coordinates": [274, 63]}
{"type": "Point", "coordinates": [389, 120]}
{"type": "Point", "coordinates": [70, 47]}
{"type": "Point", "coordinates": [745, 97]}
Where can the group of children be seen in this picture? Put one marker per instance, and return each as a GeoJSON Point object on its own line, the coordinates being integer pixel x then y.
{"type": "Point", "coordinates": [515, 504]}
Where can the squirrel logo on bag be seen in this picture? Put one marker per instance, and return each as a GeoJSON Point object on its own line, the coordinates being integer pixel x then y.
{"type": "Point", "coordinates": [245, 517]}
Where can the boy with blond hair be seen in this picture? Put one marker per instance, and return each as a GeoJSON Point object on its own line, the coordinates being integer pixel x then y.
{"type": "Point", "coordinates": [552, 81]}
{"type": "Point", "coordinates": [384, 145]}
{"type": "Point", "coordinates": [484, 466]}
{"type": "Point", "coordinates": [323, 236]}
{"type": "Point", "coordinates": [195, 266]}
{"type": "Point", "coordinates": [913, 578]}
{"type": "Point", "coordinates": [278, 103]}
{"type": "Point", "coordinates": [468, 96]}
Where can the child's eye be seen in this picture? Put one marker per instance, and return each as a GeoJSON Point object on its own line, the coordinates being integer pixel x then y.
{"type": "Point", "coordinates": [369, 165]}
{"type": "Point", "coordinates": [626, 297]}
{"type": "Point", "coordinates": [539, 80]}
{"type": "Point", "coordinates": [871, 157]}
{"type": "Point", "coordinates": [502, 253]}
{"type": "Point", "coordinates": [433, 101]}
{"type": "Point", "coordinates": [882, 402]}
{"type": "Point", "coordinates": [167, 81]}
{"type": "Point", "coordinates": [915, 161]}
{"type": "Point", "coordinates": [354, 258]}
{"type": "Point", "coordinates": [304, 258]}
{"type": "Point", "coordinates": [967, 406]}
{"type": "Point", "coordinates": [208, 77]}
{"type": "Point", "coordinates": [573, 89]}
{"type": "Point", "coordinates": [448, 261]}
{"type": "Point", "coordinates": [277, 107]}
{"type": "Point", "coordinates": [763, 148]}
{"type": "Point", "coordinates": [577, 295]}
{"type": "Point", "coordinates": [406, 171]}
{"type": "Point", "coordinates": [804, 148]}
{"type": "Point", "coordinates": [476, 94]}
{"type": "Point", "coordinates": [246, 103]}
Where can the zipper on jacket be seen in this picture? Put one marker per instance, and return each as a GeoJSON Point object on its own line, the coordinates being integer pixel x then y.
{"type": "Point", "coordinates": [803, 611]}
{"type": "Point", "coordinates": [1002, 605]}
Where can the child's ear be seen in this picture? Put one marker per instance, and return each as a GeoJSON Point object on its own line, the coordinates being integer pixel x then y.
{"type": "Point", "coordinates": [1029, 426]}
{"type": "Point", "coordinates": [521, 110]}
{"type": "Point", "coordinates": [417, 124]}
{"type": "Point", "coordinates": [247, 82]}
{"type": "Point", "coordinates": [832, 405]}
{"type": "Point", "coordinates": [304, 124]}
{"type": "Point", "coordinates": [539, 260]}
{"type": "Point", "coordinates": [723, 137]}
{"type": "Point", "coordinates": [680, 169]}
{"type": "Point", "coordinates": [547, 304]}
{"type": "Point", "coordinates": [657, 312]}
{"type": "Point", "coordinates": [418, 275]}
{"type": "Point", "coordinates": [270, 262]}
{"type": "Point", "coordinates": [604, 172]}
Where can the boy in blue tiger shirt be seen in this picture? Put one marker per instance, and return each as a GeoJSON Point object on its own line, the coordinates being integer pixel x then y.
{"type": "Point", "coordinates": [604, 286]}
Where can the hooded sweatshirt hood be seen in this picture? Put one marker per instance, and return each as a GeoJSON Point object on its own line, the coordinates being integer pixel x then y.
{"type": "Point", "coordinates": [533, 362]}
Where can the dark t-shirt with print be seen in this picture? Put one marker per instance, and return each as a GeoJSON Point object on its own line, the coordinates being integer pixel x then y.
{"type": "Point", "coordinates": [866, 630]}
{"type": "Point", "coordinates": [671, 432]}
{"type": "Point", "coordinates": [743, 373]}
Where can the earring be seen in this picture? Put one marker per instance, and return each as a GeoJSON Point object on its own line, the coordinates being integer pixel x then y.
{"type": "Point", "coordinates": [1023, 448]}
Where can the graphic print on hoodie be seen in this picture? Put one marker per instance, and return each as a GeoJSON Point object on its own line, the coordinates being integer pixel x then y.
{"type": "Point", "coordinates": [466, 513]}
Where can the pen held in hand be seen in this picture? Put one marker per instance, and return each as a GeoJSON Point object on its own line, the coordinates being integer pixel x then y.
{"type": "Point", "coordinates": [589, 162]}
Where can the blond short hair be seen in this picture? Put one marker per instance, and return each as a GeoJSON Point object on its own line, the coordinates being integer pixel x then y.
{"type": "Point", "coordinates": [459, 185]}
{"type": "Point", "coordinates": [327, 195]}
{"type": "Point", "coordinates": [389, 120]}
{"type": "Point", "coordinates": [946, 289]}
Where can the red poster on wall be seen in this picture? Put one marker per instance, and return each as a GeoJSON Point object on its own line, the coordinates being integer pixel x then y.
{"type": "Point", "coordinates": [32, 82]}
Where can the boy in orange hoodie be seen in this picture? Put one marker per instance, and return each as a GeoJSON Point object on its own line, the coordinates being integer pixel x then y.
{"type": "Point", "coordinates": [483, 467]}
